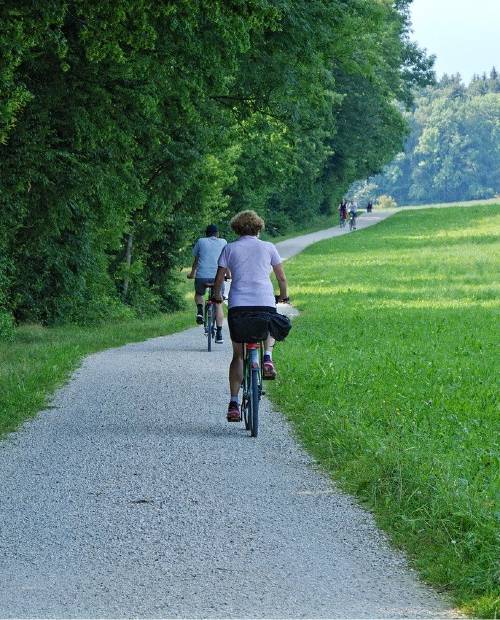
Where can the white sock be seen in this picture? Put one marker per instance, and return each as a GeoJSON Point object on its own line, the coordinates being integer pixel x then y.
{"type": "Point", "coordinates": [270, 353]}
{"type": "Point", "coordinates": [235, 399]}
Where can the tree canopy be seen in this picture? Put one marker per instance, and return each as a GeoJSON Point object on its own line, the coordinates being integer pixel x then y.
{"type": "Point", "coordinates": [126, 127]}
{"type": "Point", "coordinates": [453, 149]}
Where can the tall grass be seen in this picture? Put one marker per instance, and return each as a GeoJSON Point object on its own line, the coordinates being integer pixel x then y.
{"type": "Point", "coordinates": [391, 374]}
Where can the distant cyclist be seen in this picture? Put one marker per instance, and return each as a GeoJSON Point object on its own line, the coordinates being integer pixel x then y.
{"type": "Point", "coordinates": [206, 252]}
{"type": "Point", "coordinates": [342, 213]}
{"type": "Point", "coordinates": [353, 214]}
{"type": "Point", "coordinates": [250, 262]}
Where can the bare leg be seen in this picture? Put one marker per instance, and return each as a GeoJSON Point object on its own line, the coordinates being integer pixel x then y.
{"type": "Point", "coordinates": [236, 368]}
{"type": "Point", "coordinates": [269, 343]}
{"type": "Point", "coordinates": [219, 315]}
{"type": "Point", "coordinates": [198, 299]}
{"type": "Point", "coordinates": [268, 370]}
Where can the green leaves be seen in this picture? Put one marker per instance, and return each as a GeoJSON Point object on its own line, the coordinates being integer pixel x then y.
{"type": "Point", "coordinates": [454, 145]}
{"type": "Point", "coordinates": [153, 119]}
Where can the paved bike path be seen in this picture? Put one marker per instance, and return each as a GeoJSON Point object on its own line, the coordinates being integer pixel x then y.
{"type": "Point", "coordinates": [133, 497]}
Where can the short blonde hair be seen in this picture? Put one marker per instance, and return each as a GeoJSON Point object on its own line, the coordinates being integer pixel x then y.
{"type": "Point", "coordinates": [247, 223]}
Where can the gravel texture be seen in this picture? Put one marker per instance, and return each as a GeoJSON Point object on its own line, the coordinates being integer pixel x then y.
{"type": "Point", "coordinates": [133, 497]}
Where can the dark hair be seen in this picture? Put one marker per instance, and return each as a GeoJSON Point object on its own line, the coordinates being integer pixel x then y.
{"type": "Point", "coordinates": [211, 230]}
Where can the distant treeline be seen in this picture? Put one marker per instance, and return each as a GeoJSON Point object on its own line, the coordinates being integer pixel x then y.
{"type": "Point", "coordinates": [126, 127]}
{"type": "Point", "coordinates": [453, 150]}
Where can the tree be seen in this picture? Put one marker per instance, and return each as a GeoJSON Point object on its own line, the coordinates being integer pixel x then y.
{"type": "Point", "coordinates": [452, 152]}
{"type": "Point", "coordinates": [154, 118]}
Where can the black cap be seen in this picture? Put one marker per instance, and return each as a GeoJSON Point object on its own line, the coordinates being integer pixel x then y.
{"type": "Point", "coordinates": [211, 230]}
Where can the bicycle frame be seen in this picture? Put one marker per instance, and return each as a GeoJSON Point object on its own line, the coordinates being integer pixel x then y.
{"type": "Point", "coordinates": [209, 318]}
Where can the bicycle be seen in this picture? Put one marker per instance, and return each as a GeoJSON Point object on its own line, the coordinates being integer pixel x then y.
{"type": "Point", "coordinates": [253, 355]}
{"type": "Point", "coordinates": [342, 221]}
{"type": "Point", "coordinates": [352, 221]}
{"type": "Point", "coordinates": [209, 325]}
{"type": "Point", "coordinates": [252, 385]}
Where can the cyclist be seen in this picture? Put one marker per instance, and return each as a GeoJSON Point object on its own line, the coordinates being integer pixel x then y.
{"type": "Point", "coordinates": [353, 213]}
{"type": "Point", "coordinates": [343, 212]}
{"type": "Point", "coordinates": [206, 252]}
{"type": "Point", "coordinates": [250, 262]}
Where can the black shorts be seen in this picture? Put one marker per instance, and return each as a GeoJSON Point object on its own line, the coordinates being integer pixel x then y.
{"type": "Point", "coordinates": [200, 286]}
{"type": "Point", "coordinates": [249, 323]}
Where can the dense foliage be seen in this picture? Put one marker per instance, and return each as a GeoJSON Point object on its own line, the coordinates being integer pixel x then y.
{"type": "Point", "coordinates": [453, 150]}
{"type": "Point", "coordinates": [125, 127]}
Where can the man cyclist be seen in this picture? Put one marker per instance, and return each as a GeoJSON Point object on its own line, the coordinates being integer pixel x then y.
{"type": "Point", "coordinates": [250, 262]}
{"type": "Point", "coordinates": [206, 252]}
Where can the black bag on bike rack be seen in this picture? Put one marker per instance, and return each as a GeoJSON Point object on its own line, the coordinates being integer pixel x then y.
{"type": "Point", "coordinates": [279, 326]}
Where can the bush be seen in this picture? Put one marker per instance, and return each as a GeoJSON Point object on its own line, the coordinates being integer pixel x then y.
{"type": "Point", "coordinates": [386, 202]}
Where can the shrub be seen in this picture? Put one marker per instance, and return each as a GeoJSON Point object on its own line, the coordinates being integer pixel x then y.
{"type": "Point", "coordinates": [386, 202]}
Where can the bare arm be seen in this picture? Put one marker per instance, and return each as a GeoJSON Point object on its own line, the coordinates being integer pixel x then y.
{"type": "Point", "coordinates": [219, 281]}
{"type": "Point", "coordinates": [194, 267]}
{"type": "Point", "coordinates": [280, 276]}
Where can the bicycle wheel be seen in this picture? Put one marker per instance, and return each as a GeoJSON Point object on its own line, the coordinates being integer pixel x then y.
{"type": "Point", "coordinates": [209, 325]}
{"type": "Point", "coordinates": [254, 401]}
{"type": "Point", "coordinates": [245, 401]}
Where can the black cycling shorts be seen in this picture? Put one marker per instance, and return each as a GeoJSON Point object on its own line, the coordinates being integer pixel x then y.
{"type": "Point", "coordinates": [249, 323]}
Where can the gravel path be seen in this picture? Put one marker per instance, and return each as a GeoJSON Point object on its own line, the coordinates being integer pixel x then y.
{"type": "Point", "coordinates": [290, 247]}
{"type": "Point", "coordinates": [132, 497]}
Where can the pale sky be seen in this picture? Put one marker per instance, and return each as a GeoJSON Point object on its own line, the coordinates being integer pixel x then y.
{"type": "Point", "coordinates": [463, 34]}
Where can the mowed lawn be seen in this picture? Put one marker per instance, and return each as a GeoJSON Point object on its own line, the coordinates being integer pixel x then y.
{"type": "Point", "coordinates": [390, 378]}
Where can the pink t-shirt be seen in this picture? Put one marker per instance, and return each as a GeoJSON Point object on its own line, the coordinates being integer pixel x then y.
{"type": "Point", "coordinates": [250, 261]}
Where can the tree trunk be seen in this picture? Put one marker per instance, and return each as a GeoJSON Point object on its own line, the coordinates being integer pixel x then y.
{"type": "Point", "coordinates": [128, 261]}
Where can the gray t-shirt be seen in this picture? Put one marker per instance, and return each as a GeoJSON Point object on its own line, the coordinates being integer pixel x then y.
{"type": "Point", "coordinates": [250, 261]}
{"type": "Point", "coordinates": [208, 250]}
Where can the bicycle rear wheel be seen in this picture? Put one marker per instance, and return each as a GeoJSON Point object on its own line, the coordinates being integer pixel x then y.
{"type": "Point", "coordinates": [209, 325]}
{"type": "Point", "coordinates": [254, 401]}
{"type": "Point", "coordinates": [245, 401]}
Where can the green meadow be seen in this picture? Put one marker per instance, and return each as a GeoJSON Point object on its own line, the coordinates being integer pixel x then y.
{"type": "Point", "coordinates": [390, 378]}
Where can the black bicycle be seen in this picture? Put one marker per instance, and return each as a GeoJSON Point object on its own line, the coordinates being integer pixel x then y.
{"type": "Point", "coordinates": [209, 323]}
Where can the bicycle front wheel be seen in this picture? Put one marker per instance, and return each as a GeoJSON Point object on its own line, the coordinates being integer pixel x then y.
{"type": "Point", "coordinates": [254, 401]}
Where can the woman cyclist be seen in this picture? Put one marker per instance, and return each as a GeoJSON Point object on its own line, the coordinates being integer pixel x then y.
{"type": "Point", "coordinates": [250, 262]}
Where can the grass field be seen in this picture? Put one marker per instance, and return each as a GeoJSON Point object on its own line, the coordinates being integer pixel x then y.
{"type": "Point", "coordinates": [391, 373]}
{"type": "Point", "coordinates": [41, 359]}
{"type": "Point", "coordinates": [463, 203]}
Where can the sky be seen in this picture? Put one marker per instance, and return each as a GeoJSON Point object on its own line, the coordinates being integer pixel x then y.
{"type": "Point", "coordinates": [463, 34]}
